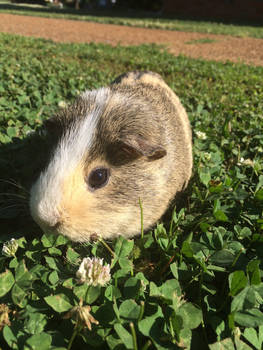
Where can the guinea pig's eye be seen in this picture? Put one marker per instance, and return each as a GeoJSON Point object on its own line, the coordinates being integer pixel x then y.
{"type": "Point", "coordinates": [98, 178]}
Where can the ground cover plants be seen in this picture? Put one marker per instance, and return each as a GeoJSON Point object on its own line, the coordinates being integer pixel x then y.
{"type": "Point", "coordinates": [137, 19]}
{"type": "Point", "coordinates": [194, 281]}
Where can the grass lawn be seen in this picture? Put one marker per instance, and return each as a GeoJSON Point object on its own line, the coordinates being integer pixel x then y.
{"type": "Point", "coordinates": [194, 281]}
{"type": "Point", "coordinates": [135, 19]}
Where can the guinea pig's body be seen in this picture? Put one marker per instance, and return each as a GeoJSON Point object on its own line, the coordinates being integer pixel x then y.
{"type": "Point", "coordinates": [114, 146]}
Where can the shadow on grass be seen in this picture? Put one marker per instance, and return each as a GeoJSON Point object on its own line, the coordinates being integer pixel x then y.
{"type": "Point", "coordinates": [118, 12]}
{"type": "Point", "coordinates": [20, 164]}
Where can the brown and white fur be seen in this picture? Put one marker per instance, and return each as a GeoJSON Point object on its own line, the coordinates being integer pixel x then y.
{"type": "Point", "coordinates": [138, 131]}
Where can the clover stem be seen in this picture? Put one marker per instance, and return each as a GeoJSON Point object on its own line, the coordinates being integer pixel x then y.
{"type": "Point", "coordinates": [134, 338]}
{"type": "Point", "coordinates": [141, 209]}
{"type": "Point", "coordinates": [74, 334]}
{"type": "Point", "coordinates": [147, 345]}
{"type": "Point", "coordinates": [107, 247]}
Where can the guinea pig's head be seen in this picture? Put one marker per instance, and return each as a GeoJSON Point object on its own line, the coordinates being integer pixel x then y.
{"type": "Point", "coordinates": [103, 161]}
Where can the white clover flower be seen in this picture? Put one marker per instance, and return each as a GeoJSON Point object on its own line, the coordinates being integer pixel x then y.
{"type": "Point", "coordinates": [62, 104]}
{"type": "Point", "coordinates": [243, 161]}
{"type": "Point", "coordinates": [201, 135]}
{"type": "Point", "coordinates": [93, 272]}
{"type": "Point", "coordinates": [10, 247]}
{"type": "Point", "coordinates": [207, 155]}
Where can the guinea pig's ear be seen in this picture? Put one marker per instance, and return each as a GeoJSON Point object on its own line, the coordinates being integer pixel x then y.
{"type": "Point", "coordinates": [129, 148]}
{"type": "Point", "coordinates": [52, 126]}
{"type": "Point", "coordinates": [143, 147]}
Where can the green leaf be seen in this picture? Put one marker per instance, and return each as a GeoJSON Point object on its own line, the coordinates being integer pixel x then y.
{"type": "Point", "coordinates": [226, 344]}
{"type": "Point", "coordinates": [204, 175]}
{"type": "Point", "coordinates": [87, 293]}
{"type": "Point", "coordinates": [124, 335]}
{"type": "Point", "coordinates": [222, 257]}
{"type": "Point", "coordinates": [59, 302]}
{"type": "Point", "coordinates": [220, 215]}
{"type": "Point", "coordinates": [146, 325]}
{"type": "Point", "coordinates": [114, 342]}
{"type": "Point", "coordinates": [126, 264]}
{"type": "Point", "coordinates": [12, 132]}
{"type": "Point", "coordinates": [13, 263]}
{"type": "Point", "coordinates": [6, 282]}
{"type": "Point", "coordinates": [48, 240]}
{"type": "Point", "coordinates": [105, 314]}
{"type": "Point", "coordinates": [39, 341]}
{"type": "Point", "coordinates": [249, 318]}
{"type": "Point", "coordinates": [242, 232]}
{"type": "Point", "coordinates": [36, 323]}
{"type": "Point", "coordinates": [51, 262]}
{"type": "Point", "coordinates": [259, 195]}
{"type": "Point", "coordinates": [152, 327]}
{"type": "Point", "coordinates": [54, 251]}
{"type": "Point", "coordinates": [174, 270]}
{"type": "Point", "coordinates": [254, 272]}
{"type": "Point", "coordinates": [19, 296]}
{"type": "Point", "coordinates": [22, 276]}
{"type": "Point", "coordinates": [187, 250]}
{"type": "Point", "coordinates": [237, 282]}
{"type": "Point", "coordinates": [154, 290]}
{"type": "Point", "coordinates": [112, 292]}
{"type": "Point", "coordinates": [132, 287]}
{"type": "Point", "coordinates": [123, 247]}
{"type": "Point", "coordinates": [252, 336]}
{"type": "Point", "coordinates": [240, 345]}
{"type": "Point", "coordinates": [10, 337]}
{"type": "Point", "coordinates": [246, 299]}
{"type": "Point", "coordinates": [260, 183]}
{"type": "Point", "coordinates": [72, 256]}
{"type": "Point", "coordinates": [170, 288]}
{"type": "Point", "coordinates": [61, 240]}
{"type": "Point", "coordinates": [154, 312]}
{"type": "Point", "coordinates": [217, 240]}
{"type": "Point", "coordinates": [129, 310]}
{"type": "Point", "coordinates": [186, 338]}
{"type": "Point", "coordinates": [53, 277]}
{"type": "Point", "coordinates": [191, 315]}
{"type": "Point", "coordinates": [217, 324]}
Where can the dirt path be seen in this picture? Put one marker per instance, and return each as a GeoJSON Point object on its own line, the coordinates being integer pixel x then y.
{"type": "Point", "coordinates": [222, 48]}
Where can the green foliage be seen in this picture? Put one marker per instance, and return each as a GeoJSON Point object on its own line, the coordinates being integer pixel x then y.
{"type": "Point", "coordinates": [138, 19]}
{"type": "Point", "coordinates": [194, 281]}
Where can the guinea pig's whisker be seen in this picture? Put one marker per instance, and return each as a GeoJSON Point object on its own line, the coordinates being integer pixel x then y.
{"type": "Point", "coordinates": [85, 244]}
{"type": "Point", "coordinates": [20, 196]}
{"type": "Point", "coordinates": [15, 184]}
{"type": "Point", "coordinates": [11, 206]}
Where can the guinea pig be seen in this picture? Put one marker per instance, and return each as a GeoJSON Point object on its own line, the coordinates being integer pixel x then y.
{"type": "Point", "coordinates": [114, 147]}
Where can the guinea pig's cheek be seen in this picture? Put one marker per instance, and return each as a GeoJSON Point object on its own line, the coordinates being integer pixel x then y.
{"type": "Point", "coordinates": [74, 204]}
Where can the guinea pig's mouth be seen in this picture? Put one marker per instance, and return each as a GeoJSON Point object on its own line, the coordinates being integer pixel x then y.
{"type": "Point", "coordinates": [55, 229]}
{"type": "Point", "coordinates": [73, 235]}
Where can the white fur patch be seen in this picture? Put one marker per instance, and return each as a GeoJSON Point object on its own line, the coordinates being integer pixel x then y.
{"type": "Point", "coordinates": [47, 191]}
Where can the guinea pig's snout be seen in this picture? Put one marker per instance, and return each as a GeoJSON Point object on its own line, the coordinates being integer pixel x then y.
{"type": "Point", "coordinates": [49, 227]}
{"type": "Point", "coordinates": [56, 226]}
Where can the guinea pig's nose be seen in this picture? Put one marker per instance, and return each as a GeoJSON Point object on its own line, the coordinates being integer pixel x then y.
{"type": "Point", "coordinates": [55, 227]}
{"type": "Point", "coordinates": [48, 228]}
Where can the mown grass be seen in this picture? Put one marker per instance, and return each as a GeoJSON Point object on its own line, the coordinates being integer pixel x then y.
{"type": "Point", "coordinates": [135, 19]}
{"type": "Point", "coordinates": [194, 281]}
